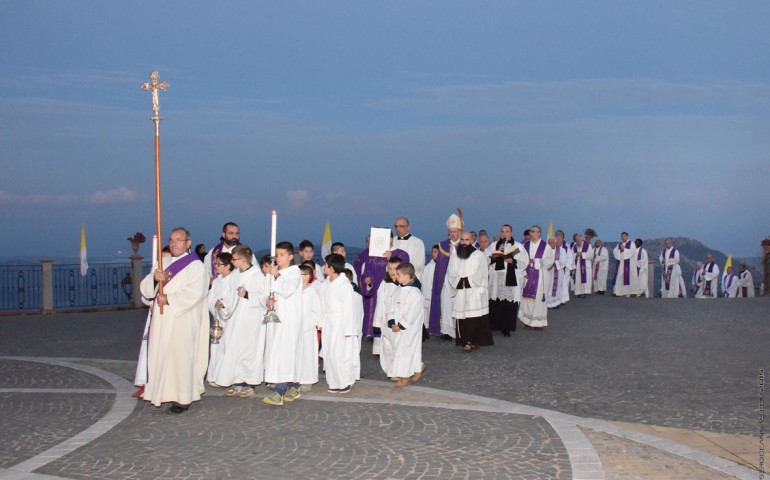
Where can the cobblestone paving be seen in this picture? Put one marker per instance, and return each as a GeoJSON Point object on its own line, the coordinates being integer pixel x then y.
{"type": "Point", "coordinates": [236, 438]}
{"type": "Point", "coordinates": [680, 363]}
{"type": "Point", "coordinates": [33, 423]}
{"type": "Point", "coordinates": [19, 374]}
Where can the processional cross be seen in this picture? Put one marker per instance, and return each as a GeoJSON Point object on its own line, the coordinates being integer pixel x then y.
{"type": "Point", "coordinates": [153, 85]}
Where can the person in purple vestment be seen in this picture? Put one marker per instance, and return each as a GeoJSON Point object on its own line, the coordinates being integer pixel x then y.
{"type": "Point", "coordinates": [441, 321]}
{"type": "Point", "coordinates": [230, 238]}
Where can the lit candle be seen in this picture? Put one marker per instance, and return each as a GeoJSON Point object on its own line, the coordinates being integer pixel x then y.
{"type": "Point", "coordinates": [272, 234]}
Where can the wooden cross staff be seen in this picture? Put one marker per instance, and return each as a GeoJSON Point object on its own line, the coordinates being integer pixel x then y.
{"type": "Point", "coordinates": [154, 86]}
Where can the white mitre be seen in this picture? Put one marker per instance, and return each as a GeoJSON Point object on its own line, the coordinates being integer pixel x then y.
{"type": "Point", "coordinates": [454, 222]}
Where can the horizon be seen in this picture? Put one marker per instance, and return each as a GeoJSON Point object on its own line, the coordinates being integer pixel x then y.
{"type": "Point", "coordinates": [649, 118]}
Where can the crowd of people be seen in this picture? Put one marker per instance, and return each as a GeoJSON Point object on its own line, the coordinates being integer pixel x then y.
{"type": "Point", "coordinates": [276, 316]}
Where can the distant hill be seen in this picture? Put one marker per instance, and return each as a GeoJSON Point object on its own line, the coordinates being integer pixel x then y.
{"type": "Point", "coordinates": [692, 251]}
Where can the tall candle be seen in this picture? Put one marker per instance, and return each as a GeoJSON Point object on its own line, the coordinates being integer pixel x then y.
{"type": "Point", "coordinates": [272, 234]}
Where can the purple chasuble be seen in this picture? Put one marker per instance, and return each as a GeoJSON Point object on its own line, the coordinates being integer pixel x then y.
{"type": "Point", "coordinates": [442, 262]}
{"type": "Point", "coordinates": [626, 268]}
{"type": "Point", "coordinates": [533, 275]}
{"type": "Point", "coordinates": [376, 268]}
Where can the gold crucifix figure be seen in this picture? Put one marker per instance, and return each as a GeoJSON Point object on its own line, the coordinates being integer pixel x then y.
{"type": "Point", "coordinates": [154, 86]}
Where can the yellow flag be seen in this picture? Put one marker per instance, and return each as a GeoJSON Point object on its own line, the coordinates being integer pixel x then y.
{"type": "Point", "coordinates": [729, 262]}
{"type": "Point", "coordinates": [550, 230]}
{"type": "Point", "coordinates": [326, 244]}
{"type": "Point", "coordinates": [83, 259]}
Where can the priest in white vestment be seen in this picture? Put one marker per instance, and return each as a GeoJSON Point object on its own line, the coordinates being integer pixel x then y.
{"type": "Point", "coordinates": [671, 271]}
{"type": "Point", "coordinates": [179, 337]}
{"type": "Point", "coordinates": [625, 256]}
{"type": "Point", "coordinates": [468, 280]}
{"type": "Point", "coordinates": [583, 256]}
{"type": "Point", "coordinates": [745, 283]}
{"type": "Point", "coordinates": [534, 311]}
{"type": "Point", "coordinates": [708, 286]}
{"type": "Point", "coordinates": [558, 293]}
{"type": "Point", "coordinates": [729, 283]}
{"type": "Point", "coordinates": [601, 267]}
{"type": "Point", "coordinates": [415, 247]}
{"type": "Point", "coordinates": [507, 262]}
{"type": "Point", "coordinates": [642, 276]}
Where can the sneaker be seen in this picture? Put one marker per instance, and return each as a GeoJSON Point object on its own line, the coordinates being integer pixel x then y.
{"type": "Point", "coordinates": [273, 399]}
{"type": "Point", "coordinates": [345, 390]}
{"type": "Point", "coordinates": [333, 390]}
{"type": "Point", "coordinates": [246, 392]}
{"type": "Point", "coordinates": [234, 391]}
{"type": "Point", "coordinates": [306, 388]}
{"type": "Point", "coordinates": [291, 394]}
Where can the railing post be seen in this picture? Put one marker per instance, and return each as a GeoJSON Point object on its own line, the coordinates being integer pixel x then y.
{"type": "Point", "coordinates": [46, 287]}
{"type": "Point", "coordinates": [136, 279]}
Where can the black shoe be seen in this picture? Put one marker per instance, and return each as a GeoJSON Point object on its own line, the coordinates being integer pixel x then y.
{"type": "Point", "coordinates": [506, 333]}
{"type": "Point", "coordinates": [446, 337]}
{"type": "Point", "coordinates": [176, 408]}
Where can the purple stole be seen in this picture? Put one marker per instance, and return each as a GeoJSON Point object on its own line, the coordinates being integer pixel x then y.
{"type": "Point", "coordinates": [584, 249]}
{"type": "Point", "coordinates": [533, 275]}
{"type": "Point", "coordinates": [669, 269]}
{"type": "Point", "coordinates": [556, 256]}
{"type": "Point", "coordinates": [744, 291]}
{"type": "Point", "coordinates": [707, 287]}
{"type": "Point", "coordinates": [728, 284]}
{"type": "Point", "coordinates": [442, 262]}
{"type": "Point", "coordinates": [180, 264]}
{"type": "Point", "coordinates": [626, 268]}
{"type": "Point", "coordinates": [214, 252]}
{"type": "Point", "coordinates": [596, 263]}
{"type": "Point", "coordinates": [638, 257]}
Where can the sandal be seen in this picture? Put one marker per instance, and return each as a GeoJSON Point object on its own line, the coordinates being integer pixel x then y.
{"type": "Point", "coordinates": [468, 347]}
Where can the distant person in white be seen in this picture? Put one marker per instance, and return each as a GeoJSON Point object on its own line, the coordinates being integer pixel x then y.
{"type": "Point", "coordinates": [708, 287]}
{"type": "Point", "coordinates": [745, 283]}
{"type": "Point", "coordinates": [601, 267]}
{"type": "Point", "coordinates": [642, 259]}
{"type": "Point", "coordinates": [729, 283]}
{"type": "Point", "coordinates": [625, 254]}
{"type": "Point", "coordinates": [412, 245]}
{"type": "Point", "coordinates": [671, 272]}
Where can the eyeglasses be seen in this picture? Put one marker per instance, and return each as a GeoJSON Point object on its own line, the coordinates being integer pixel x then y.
{"type": "Point", "coordinates": [236, 259]}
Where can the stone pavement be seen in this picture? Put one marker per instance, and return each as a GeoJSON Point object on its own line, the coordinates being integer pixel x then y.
{"type": "Point", "coordinates": [613, 388]}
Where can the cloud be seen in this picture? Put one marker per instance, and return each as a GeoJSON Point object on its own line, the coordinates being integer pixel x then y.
{"type": "Point", "coordinates": [297, 198]}
{"type": "Point", "coordinates": [581, 96]}
{"type": "Point", "coordinates": [116, 196]}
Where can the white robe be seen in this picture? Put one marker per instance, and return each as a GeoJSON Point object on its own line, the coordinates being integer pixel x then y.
{"type": "Point", "coordinates": [311, 320]}
{"type": "Point", "coordinates": [706, 276]}
{"type": "Point", "coordinates": [601, 267]}
{"type": "Point", "coordinates": [416, 250]}
{"type": "Point", "coordinates": [339, 341]}
{"type": "Point", "coordinates": [745, 281]}
{"type": "Point", "coordinates": [284, 340]}
{"type": "Point", "coordinates": [682, 287]}
{"type": "Point", "coordinates": [242, 347]}
{"type": "Point", "coordinates": [642, 276]}
{"type": "Point", "coordinates": [426, 280]}
{"type": "Point", "coordinates": [401, 355]}
{"type": "Point", "coordinates": [581, 287]}
{"type": "Point", "coordinates": [562, 288]}
{"type": "Point", "coordinates": [474, 301]}
{"type": "Point", "coordinates": [729, 285]}
{"type": "Point", "coordinates": [178, 341]}
{"type": "Point", "coordinates": [674, 283]}
{"type": "Point", "coordinates": [621, 289]}
{"type": "Point", "coordinates": [534, 312]}
{"type": "Point", "coordinates": [223, 289]}
{"type": "Point", "coordinates": [497, 288]}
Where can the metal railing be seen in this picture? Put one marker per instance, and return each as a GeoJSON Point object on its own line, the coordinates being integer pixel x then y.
{"type": "Point", "coordinates": [22, 287]}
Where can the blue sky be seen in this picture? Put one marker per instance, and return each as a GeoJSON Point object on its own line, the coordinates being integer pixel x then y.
{"type": "Point", "coordinates": [650, 117]}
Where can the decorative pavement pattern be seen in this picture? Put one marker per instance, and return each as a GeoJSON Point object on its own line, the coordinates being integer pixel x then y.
{"type": "Point", "coordinates": [666, 391]}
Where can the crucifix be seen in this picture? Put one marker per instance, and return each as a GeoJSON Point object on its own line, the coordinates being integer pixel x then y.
{"type": "Point", "coordinates": [154, 86]}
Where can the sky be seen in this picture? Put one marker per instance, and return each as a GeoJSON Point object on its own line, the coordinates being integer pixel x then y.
{"type": "Point", "coordinates": [649, 117]}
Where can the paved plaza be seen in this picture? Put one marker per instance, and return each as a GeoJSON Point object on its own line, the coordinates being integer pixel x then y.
{"type": "Point", "coordinates": [614, 388]}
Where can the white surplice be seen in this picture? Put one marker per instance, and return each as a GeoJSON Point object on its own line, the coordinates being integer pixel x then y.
{"type": "Point", "coordinates": [223, 289]}
{"type": "Point", "coordinates": [426, 279]}
{"type": "Point", "coordinates": [339, 334]}
{"type": "Point", "coordinates": [311, 320]}
{"type": "Point", "coordinates": [629, 253]}
{"type": "Point", "coordinates": [534, 312]}
{"type": "Point", "coordinates": [670, 259]}
{"type": "Point", "coordinates": [642, 275]}
{"type": "Point", "coordinates": [474, 301]}
{"type": "Point", "coordinates": [601, 267]}
{"type": "Point", "coordinates": [585, 262]}
{"type": "Point", "coordinates": [401, 355]}
{"type": "Point", "coordinates": [284, 340]}
{"type": "Point", "coordinates": [745, 285]}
